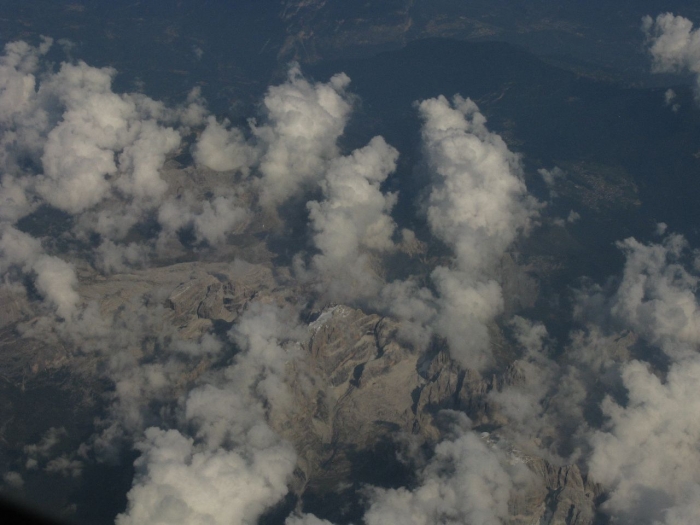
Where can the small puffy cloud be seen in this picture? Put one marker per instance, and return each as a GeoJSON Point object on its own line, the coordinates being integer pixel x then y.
{"type": "Point", "coordinates": [236, 466]}
{"type": "Point", "coordinates": [293, 145]}
{"type": "Point", "coordinates": [669, 97]}
{"type": "Point", "coordinates": [194, 112]}
{"type": "Point", "coordinates": [212, 220]}
{"type": "Point", "coordinates": [674, 44]}
{"type": "Point", "coordinates": [656, 296]}
{"type": "Point", "coordinates": [478, 203]}
{"type": "Point", "coordinates": [141, 160]}
{"type": "Point", "coordinates": [97, 128]}
{"type": "Point", "coordinates": [466, 481]}
{"type": "Point", "coordinates": [42, 449]}
{"type": "Point", "coordinates": [55, 279]}
{"type": "Point", "coordinates": [179, 482]}
{"type": "Point", "coordinates": [13, 479]}
{"type": "Point", "coordinates": [14, 202]}
{"type": "Point", "coordinates": [302, 124]}
{"type": "Point", "coordinates": [352, 223]}
{"type": "Point", "coordinates": [416, 308]}
{"type": "Point", "coordinates": [306, 519]}
{"type": "Point", "coordinates": [17, 77]}
{"type": "Point", "coordinates": [18, 248]}
{"type": "Point", "coordinates": [112, 258]}
{"type": "Point", "coordinates": [65, 466]}
{"type": "Point", "coordinates": [57, 282]}
{"type": "Point", "coordinates": [222, 149]}
{"type": "Point", "coordinates": [551, 178]}
{"type": "Point", "coordinates": [218, 218]}
{"type": "Point", "coordinates": [647, 453]}
{"type": "Point", "coordinates": [263, 330]}
{"type": "Point", "coordinates": [466, 306]}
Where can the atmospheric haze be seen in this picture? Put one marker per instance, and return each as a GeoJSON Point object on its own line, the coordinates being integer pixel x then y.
{"type": "Point", "coordinates": [617, 396]}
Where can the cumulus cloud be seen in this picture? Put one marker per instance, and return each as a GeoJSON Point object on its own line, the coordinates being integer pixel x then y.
{"type": "Point", "coordinates": [69, 141]}
{"type": "Point", "coordinates": [222, 149]}
{"type": "Point", "coordinates": [415, 306]}
{"type": "Point", "coordinates": [669, 100]}
{"type": "Point", "coordinates": [647, 454]}
{"type": "Point", "coordinates": [13, 479]}
{"type": "Point", "coordinates": [65, 466]}
{"type": "Point", "coordinates": [178, 482]}
{"type": "Point", "coordinates": [656, 297]}
{"type": "Point", "coordinates": [303, 121]}
{"type": "Point", "coordinates": [478, 205]}
{"type": "Point", "coordinates": [466, 481]}
{"type": "Point", "coordinates": [353, 222]}
{"type": "Point", "coordinates": [292, 147]}
{"type": "Point", "coordinates": [55, 279]}
{"type": "Point", "coordinates": [208, 454]}
{"type": "Point", "coordinates": [17, 77]}
{"type": "Point", "coordinates": [479, 202]}
{"type": "Point", "coordinates": [306, 519]}
{"type": "Point", "coordinates": [102, 136]}
{"type": "Point", "coordinates": [50, 439]}
{"type": "Point", "coordinates": [674, 45]}
{"type": "Point", "coordinates": [235, 466]}
{"type": "Point", "coordinates": [211, 219]}
{"type": "Point", "coordinates": [111, 257]}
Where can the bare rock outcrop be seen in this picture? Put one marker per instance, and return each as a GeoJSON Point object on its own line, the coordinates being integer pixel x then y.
{"type": "Point", "coordinates": [355, 388]}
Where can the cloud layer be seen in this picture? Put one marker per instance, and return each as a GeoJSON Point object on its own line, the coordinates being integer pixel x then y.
{"type": "Point", "coordinates": [616, 396]}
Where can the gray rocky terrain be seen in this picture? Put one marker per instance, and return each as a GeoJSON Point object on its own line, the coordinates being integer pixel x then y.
{"type": "Point", "coordinates": [359, 396]}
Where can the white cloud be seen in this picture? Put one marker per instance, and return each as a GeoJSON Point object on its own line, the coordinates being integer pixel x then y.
{"type": "Point", "coordinates": [306, 519]}
{"type": "Point", "coordinates": [416, 308]}
{"type": "Point", "coordinates": [57, 282]}
{"type": "Point", "coordinates": [669, 97]}
{"type": "Point", "coordinates": [479, 202]}
{"type": "Point", "coordinates": [65, 466]}
{"type": "Point", "coordinates": [97, 128]}
{"type": "Point", "coordinates": [303, 123]}
{"type": "Point", "coordinates": [236, 466]}
{"type": "Point", "coordinates": [466, 306]}
{"type": "Point", "coordinates": [17, 77]}
{"type": "Point", "coordinates": [50, 439]}
{"type": "Point", "coordinates": [181, 483]}
{"type": "Point", "coordinates": [112, 258]}
{"type": "Point", "coordinates": [211, 219]}
{"type": "Point", "coordinates": [55, 278]}
{"type": "Point", "coordinates": [647, 454]}
{"type": "Point", "coordinates": [466, 481]}
{"type": "Point", "coordinates": [353, 222]}
{"type": "Point", "coordinates": [657, 295]}
{"type": "Point", "coordinates": [218, 218]}
{"type": "Point", "coordinates": [675, 45]}
{"type": "Point", "coordinates": [478, 205]}
{"type": "Point", "coordinates": [222, 149]}
{"type": "Point", "coordinates": [141, 160]}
